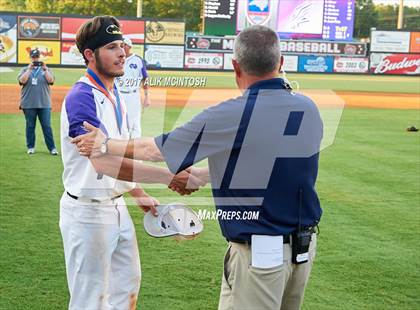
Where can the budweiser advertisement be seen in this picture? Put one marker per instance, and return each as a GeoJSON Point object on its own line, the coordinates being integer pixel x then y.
{"type": "Point", "coordinates": [404, 64]}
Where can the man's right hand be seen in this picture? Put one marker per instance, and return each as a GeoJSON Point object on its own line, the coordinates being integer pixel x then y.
{"type": "Point", "coordinates": [185, 183]}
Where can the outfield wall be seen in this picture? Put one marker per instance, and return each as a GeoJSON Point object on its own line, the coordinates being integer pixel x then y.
{"type": "Point", "coordinates": [164, 45]}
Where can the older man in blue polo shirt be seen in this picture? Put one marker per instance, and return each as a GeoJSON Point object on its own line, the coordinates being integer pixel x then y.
{"type": "Point", "coordinates": [263, 150]}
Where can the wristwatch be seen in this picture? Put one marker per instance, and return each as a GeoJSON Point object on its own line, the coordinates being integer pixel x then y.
{"type": "Point", "coordinates": [104, 146]}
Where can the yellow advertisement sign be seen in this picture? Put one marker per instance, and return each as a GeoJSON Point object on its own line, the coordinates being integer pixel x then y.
{"type": "Point", "coordinates": [158, 32]}
{"type": "Point", "coordinates": [49, 50]}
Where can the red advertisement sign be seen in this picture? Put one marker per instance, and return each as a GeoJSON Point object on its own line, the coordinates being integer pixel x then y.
{"type": "Point", "coordinates": [408, 64]}
{"type": "Point", "coordinates": [70, 27]}
{"type": "Point", "coordinates": [133, 29]}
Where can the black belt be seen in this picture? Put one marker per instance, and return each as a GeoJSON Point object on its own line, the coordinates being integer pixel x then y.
{"type": "Point", "coordinates": [286, 239]}
{"type": "Point", "coordinates": [93, 200]}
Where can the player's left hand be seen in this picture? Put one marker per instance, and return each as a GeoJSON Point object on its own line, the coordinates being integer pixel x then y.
{"type": "Point", "coordinates": [146, 202]}
{"type": "Point", "coordinates": [89, 144]}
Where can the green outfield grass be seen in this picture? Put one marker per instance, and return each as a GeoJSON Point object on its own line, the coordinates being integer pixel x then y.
{"type": "Point", "coordinates": [367, 255]}
{"type": "Point", "coordinates": [337, 82]}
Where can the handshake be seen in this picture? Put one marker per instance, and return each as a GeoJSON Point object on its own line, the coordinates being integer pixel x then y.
{"type": "Point", "coordinates": [189, 180]}
{"type": "Point", "coordinates": [116, 158]}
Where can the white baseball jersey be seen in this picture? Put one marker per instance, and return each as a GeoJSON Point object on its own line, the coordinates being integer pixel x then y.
{"type": "Point", "coordinates": [129, 85]}
{"type": "Point", "coordinates": [134, 73]}
{"type": "Point", "coordinates": [85, 102]}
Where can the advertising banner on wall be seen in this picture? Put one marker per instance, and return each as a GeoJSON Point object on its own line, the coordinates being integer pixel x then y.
{"type": "Point", "coordinates": [209, 43]}
{"type": "Point", "coordinates": [290, 63]}
{"type": "Point", "coordinates": [408, 64]}
{"type": "Point", "coordinates": [390, 41]}
{"type": "Point", "coordinates": [316, 64]}
{"type": "Point", "coordinates": [323, 48]}
{"type": "Point", "coordinates": [204, 61]}
{"type": "Point", "coordinates": [227, 61]}
{"type": "Point", "coordinates": [158, 32]}
{"type": "Point", "coordinates": [70, 55]}
{"type": "Point", "coordinates": [8, 34]}
{"type": "Point", "coordinates": [133, 29]}
{"type": "Point", "coordinates": [38, 28]}
{"type": "Point", "coordinates": [50, 51]}
{"type": "Point", "coordinates": [351, 65]}
{"type": "Point", "coordinates": [415, 42]}
{"type": "Point", "coordinates": [70, 27]}
{"type": "Point", "coordinates": [164, 56]}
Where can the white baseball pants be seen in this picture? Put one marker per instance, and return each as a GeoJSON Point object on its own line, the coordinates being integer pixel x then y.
{"type": "Point", "coordinates": [101, 254]}
{"type": "Point", "coordinates": [133, 104]}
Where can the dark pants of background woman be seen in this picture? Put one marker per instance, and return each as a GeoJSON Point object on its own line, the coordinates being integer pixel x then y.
{"type": "Point", "coordinates": [44, 116]}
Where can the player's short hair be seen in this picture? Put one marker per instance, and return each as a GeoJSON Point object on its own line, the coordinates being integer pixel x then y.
{"type": "Point", "coordinates": [257, 50]}
{"type": "Point", "coordinates": [90, 29]}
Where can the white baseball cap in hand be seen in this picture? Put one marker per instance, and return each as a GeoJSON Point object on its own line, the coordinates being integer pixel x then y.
{"type": "Point", "coordinates": [173, 220]}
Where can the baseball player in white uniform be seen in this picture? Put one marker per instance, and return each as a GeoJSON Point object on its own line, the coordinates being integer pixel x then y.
{"type": "Point", "coordinates": [129, 84]}
{"type": "Point", "coordinates": [100, 246]}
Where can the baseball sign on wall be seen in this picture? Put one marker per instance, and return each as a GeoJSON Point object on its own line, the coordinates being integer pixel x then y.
{"type": "Point", "coordinates": [70, 54]}
{"type": "Point", "coordinates": [316, 64]}
{"type": "Point", "coordinates": [164, 56]}
{"type": "Point", "coordinates": [351, 65]}
{"type": "Point", "coordinates": [415, 42]}
{"type": "Point", "coordinates": [133, 29]}
{"type": "Point", "coordinates": [204, 61]}
{"type": "Point", "coordinates": [408, 64]}
{"type": "Point", "coordinates": [209, 43]}
{"type": "Point", "coordinates": [70, 27]}
{"type": "Point", "coordinates": [7, 38]}
{"type": "Point", "coordinates": [323, 48]}
{"type": "Point", "coordinates": [390, 41]}
{"type": "Point", "coordinates": [38, 28]}
{"type": "Point", "coordinates": [50, 51]}
{"type": "Point", "coordinates": [158, 32]}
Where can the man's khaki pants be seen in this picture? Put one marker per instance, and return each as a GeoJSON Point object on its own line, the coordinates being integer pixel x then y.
{"type": "Point", "coordinates": [248, 288]}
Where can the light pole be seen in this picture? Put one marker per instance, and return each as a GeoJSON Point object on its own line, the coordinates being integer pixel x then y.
{"type": "Point", "coordinates": [139, 8]}
{"type": "Point", "coordinates": [139, 12]}
{"type": "Point", "coordinates": [401, 15]}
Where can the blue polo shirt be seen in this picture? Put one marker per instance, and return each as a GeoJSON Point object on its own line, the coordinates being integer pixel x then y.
{"type": "Point", "coordinates": [262, 150]}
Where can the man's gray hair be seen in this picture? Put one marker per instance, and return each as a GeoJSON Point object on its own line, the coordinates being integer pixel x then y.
{"type": "Point", "coordinates": [257, 50]}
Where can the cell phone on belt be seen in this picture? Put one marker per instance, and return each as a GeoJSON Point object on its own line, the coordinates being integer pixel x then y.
{"type": "Point", "coordinates": [37, 63]}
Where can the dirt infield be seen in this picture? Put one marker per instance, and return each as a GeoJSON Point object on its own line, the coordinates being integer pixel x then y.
{"type": "Point", "coordinates": [10, 94]}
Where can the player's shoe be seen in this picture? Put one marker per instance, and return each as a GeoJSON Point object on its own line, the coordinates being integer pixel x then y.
{"type": "Point", "coordinates": [54, 152]}
{"type": "Point", "coordinates": [31, 151]}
